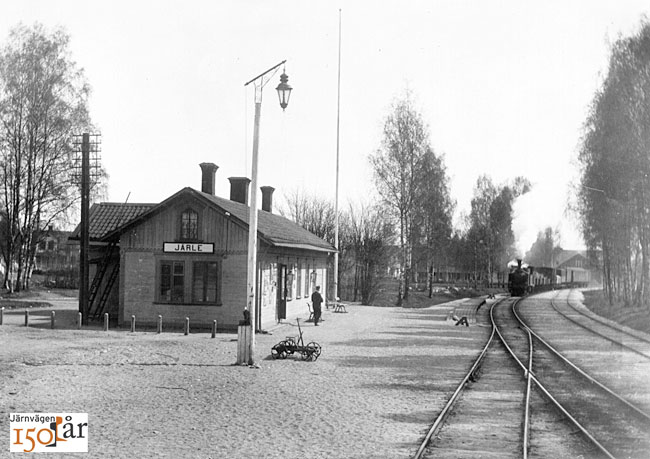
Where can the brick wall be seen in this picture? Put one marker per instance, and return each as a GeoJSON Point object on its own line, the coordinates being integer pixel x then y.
{"type": "Point", "coordinates": [138, 293]}
{"type": "Point", "coordinates": [141, 253]}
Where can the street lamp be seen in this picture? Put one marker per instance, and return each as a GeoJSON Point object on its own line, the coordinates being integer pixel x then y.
{"type": "Point", "coordinates": [245, 353]}
{"type": "Point", "coordinates": [284, 91]}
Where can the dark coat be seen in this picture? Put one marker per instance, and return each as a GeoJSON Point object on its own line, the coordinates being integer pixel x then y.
{"type": "Point", "coordinates": [316, 299]}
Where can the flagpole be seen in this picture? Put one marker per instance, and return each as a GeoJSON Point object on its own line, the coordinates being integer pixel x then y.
{"type": "Point", "coordinates": [336, 201]}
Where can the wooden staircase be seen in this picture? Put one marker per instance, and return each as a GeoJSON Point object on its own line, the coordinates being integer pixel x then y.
{"type": "Point", "coordinates": [98, 297]}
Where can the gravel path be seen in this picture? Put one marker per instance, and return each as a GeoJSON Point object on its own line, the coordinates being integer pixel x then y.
{"type": "Point", "coordinates": [383, 375]}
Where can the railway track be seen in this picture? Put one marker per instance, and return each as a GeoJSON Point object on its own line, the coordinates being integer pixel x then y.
{"type": "Point", "coordinates": [609, 352]}
{"type": "Point", "coordinates": [488, 398]}
{"type": "Point", "coordinates": [631, 340]}
{"type": "Point", "coordinates": [615, 426]}
{"type": "Point", "coordinates": [494, 412]}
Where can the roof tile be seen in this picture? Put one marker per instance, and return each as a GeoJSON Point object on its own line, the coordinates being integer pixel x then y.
{"type": "Point", "coordinates": [109, 217]}
{"type": "Point", "coordinates": [106, 217]}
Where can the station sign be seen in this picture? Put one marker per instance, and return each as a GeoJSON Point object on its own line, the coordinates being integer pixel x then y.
{"type": "Point", "coordinates": [185, 247]}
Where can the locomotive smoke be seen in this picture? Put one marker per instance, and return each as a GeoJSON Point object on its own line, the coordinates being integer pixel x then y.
{"type": "Point", "coordinates": [542, 207]}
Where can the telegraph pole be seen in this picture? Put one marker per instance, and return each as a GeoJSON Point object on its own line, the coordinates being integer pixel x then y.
{"type": "Point", "coordinates": [85, 228]}
{"type": "Point", "coordinates": [85, 148]}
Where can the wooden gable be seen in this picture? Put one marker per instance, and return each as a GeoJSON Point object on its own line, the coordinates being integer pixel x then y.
{"type": "Point", "coordinates": [576, 261]}
{"type": "Point", "coordinates": [222, 222]}
{"type": "Point", "coordinates": [215, 226]}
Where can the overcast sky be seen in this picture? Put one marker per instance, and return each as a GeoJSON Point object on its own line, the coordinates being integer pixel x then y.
{"type": "Point", "coordinates": [503, 85]}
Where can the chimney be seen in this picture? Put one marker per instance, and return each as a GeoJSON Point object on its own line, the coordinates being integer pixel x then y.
{"type": "Point", "coordinates": [267, 198]}
{"type": "Point", "coordinates": [239, 189]}
{"type": "Point", "coordinates": [207, 177]}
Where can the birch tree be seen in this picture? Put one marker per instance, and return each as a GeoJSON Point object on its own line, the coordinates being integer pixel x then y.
{"type": "Point", "coordinates": [43, 102]}
{"type": "Point", "coordinates": [369, 242]}
{"type": "Point", "coordinates": [614, 197]}
{"type": "Point", "coordinates": [314, 213]}
{"type": "Point", "coordinates": [434, 213]}
{"type": "Point", "coordinates": [398, 166]}
{"type": "Point", "coordinates": [490, 221]}
{"type": "Point", "coordinates": [364, 237]}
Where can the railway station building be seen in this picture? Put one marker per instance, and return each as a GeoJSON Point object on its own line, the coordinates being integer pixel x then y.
{"type": "Point", "coordinates": [187, 256]}
{"type": "Point", "coordinates": [576, 268]}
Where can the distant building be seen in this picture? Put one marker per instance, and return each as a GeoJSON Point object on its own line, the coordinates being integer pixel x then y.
{"type": "Point", "coordinates": [187, 257]}
{"type": "Point", "coordinates": [575, 267]}
{"type": "Point", "coordinates": [55, 253]}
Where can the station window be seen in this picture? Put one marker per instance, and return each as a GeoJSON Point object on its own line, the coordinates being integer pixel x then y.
{"type": "Point", "coordinates": [313, 280]}
{"type": "Point", "coordinates": [289, 288]}
{"type": "Point", "coordinates": [189, 225]}
{"type": "Point", "coordinates": [172, 281]}
{"type": "Point", "coordinates": [299, 281]}
{"type": "Point", "coordinates": [205, 282]}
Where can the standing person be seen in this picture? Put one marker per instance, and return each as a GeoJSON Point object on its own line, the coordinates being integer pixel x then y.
{"type": "Point", "coordinates": [316, 301]}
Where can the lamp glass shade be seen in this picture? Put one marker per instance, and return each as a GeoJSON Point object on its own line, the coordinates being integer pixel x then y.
{"type": "Point", "coordinates": [284, 91]}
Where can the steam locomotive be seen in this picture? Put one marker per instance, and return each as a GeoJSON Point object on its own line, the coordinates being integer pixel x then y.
{"type": "Point", "coordinates": [524, 279]}
{"type": "Point", "coordinates": [518, 278]}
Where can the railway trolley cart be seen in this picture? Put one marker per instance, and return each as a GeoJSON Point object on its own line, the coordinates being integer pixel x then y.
{"type": "Point", "coordinates": [295, 344]}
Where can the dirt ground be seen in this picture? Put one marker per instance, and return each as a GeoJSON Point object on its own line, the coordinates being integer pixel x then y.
{"type": "Point", "coordinates": [633, 317]}
{"type": "Point", "coordinates": [382, 376]}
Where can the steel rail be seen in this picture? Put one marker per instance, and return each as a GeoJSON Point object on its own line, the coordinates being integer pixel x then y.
{"type": "Point", "coordinates": [573, 420]}
{"type": "Point", "coordinates": [566, 316]}
{"type": "Point", "coordinates": [558, 405]}
{"type": "Point", "coordinates": [526, 432]}
{"type": "Point", "coordinates": [595, 317]}
{"type": "Point", "coordinates": [503, 340]}
{"type": "Point", "coordinates": [445, 411]}
{"type": "Point", "coordinates": [528, 372]}
{"type": "Point", "coordinates": [583, 373]}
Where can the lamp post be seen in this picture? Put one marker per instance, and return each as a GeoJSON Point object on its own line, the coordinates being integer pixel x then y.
{"type": "Point", "coordinates": [245, 353]}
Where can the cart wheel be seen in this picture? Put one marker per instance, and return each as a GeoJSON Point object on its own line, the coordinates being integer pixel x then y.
{"type": "Point", "coordinates": [313, 353]}
{"type": "Point", "coordinates": [284, 351]}
{"type": "Point", "coordinates": [274, 354]}
{"type": "Point", "coordinates": [289, 346]}
{"type": "Point", "coordinates": [279, 351]}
